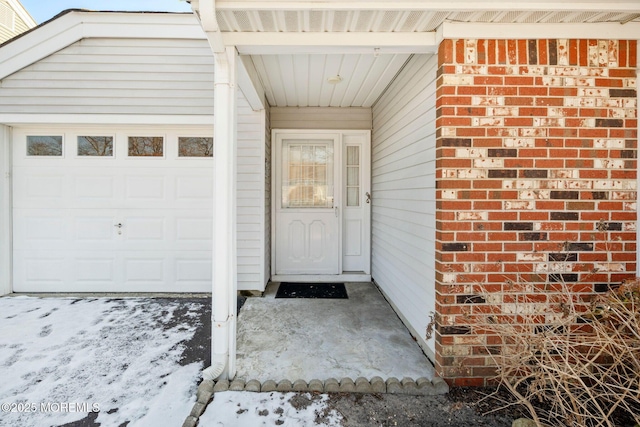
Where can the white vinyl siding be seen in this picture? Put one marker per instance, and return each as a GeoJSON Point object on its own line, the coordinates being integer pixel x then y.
{"type": "Point", "coordinates": [251, 203]}
{"type": "Point", "coordinates": [115, 76]}
{"type": "Point", "coordinates": [403, 194]}
{"type": "Point", "coordinates": [357, 118]}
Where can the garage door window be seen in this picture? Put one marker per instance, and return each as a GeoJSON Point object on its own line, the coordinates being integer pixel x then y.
{"type": "Point", "coordinates": [99, 146]}
{"type": "Point", "coordinates": [146, 146]}
{"type": "Point", "coordinates": [44, 145]}
{"type": "Point", "coordinates": [195, 147]}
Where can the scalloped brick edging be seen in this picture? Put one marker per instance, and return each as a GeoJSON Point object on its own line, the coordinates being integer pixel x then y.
{"type": "Point", "coordinates": [420, 387]}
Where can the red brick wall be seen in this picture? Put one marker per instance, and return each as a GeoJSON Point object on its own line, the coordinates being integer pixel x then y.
{"type": "Point", "coordinates": [536, 179]}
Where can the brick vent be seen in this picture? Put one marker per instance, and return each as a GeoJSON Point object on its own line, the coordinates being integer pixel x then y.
{"type": "Point", "coordinates": [536, 180]}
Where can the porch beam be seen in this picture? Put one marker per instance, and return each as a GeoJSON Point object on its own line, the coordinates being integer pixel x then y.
{"type": "Point", "coordinates": [609, 30]}
{"type": "Point", "coordinates": [421, 5]}
{"type": "Point", "coordinates": [249, 83]}
{"type": "Point", "coordinates": [250, 43]}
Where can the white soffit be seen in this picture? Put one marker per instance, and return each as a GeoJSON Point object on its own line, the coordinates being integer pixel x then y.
{"type": "Point", "coordinates": [301, 80]}
{"type": "Point", "coordinates": [397, 20]}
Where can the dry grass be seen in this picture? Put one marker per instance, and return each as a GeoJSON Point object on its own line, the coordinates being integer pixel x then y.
{"type": "Point", "coordinates": [572, 363]}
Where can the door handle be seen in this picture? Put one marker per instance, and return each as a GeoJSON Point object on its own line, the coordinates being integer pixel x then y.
{"type": "Point", "coordinates": [336, 210]}
{"type": "Point", "coordinates": [118, 225]}
{"type": "Point", "coordinates": [368, 197]}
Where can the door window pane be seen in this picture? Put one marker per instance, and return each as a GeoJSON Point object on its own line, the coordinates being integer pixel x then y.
{"type": "Point", "coordinates": [146, 146]}
{"type": "Point", "coordinates": [44, 145]}
{"type": "Point", "coordinates": [353, 175]}
{"type": "Point", "coordinates": [307, 180]}
{"type": "Point", "coordinates": [101, 146]}
{"type": "Point", "coordinates": [195, 147]}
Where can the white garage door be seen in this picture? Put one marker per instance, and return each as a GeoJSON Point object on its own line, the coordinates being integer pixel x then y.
{"type": "Point", "coordinates": [112, 210]}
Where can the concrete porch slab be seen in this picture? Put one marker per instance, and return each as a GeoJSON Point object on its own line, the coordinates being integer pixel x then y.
{"type": "Point", "coordinates": [325, 338]}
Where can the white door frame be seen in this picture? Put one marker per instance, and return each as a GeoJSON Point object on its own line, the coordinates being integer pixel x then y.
{"type": "Point", "coordinates": [366, 187]}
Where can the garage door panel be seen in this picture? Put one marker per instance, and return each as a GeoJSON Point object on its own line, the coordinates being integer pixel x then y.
{"type": "Point", "coordinates": [41, 187]}
{"type": "Point", "coordinates": [112, 223]}
{"type": "Point", "coordinates": [194, 271]}
{"type": "Point", "coordinates": [145, 188]}
{"type": "Point", "coordinates": [149, 269]}
{"type": "Point", "coordinates": [95, 189]}
{"type": "Point", "coordinates": [95, 272]}
{"type": "Point", "coordinates": [145, 229]}
{"type": "Point", "coordinates": [193, 232]}
{"type": "Point", "coordinates": [39, 271]}
{"type": "Point", "coordinates": [40, 229]}
{"type": "Point", "coordinates": [98, 229]}
{"type": "Point", "coordinates": [194, 189]}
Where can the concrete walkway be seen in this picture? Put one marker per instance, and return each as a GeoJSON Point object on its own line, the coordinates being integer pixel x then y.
{"type": "Point", "coordinates": [326, 338]}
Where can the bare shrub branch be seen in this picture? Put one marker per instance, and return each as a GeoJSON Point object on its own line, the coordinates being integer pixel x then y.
{"type": "Point", "coordinates": [570, 362]}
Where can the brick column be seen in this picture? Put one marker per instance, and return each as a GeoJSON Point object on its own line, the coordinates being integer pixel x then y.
{"type": "Point", "coordinates": [536, 180]}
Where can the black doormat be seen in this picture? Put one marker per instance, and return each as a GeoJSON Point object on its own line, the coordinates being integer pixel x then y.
{"type": "Point", "coordinates": [312, 290]}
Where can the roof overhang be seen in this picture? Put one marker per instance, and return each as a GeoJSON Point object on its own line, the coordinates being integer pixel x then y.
{"type": "Point", "coordinates": [410, 26]}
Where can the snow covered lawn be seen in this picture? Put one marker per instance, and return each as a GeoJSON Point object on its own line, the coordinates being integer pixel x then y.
{"type": "Point", "coordinates": [244, 409]}
{"type": "Point", "coordinates": [62, 358]}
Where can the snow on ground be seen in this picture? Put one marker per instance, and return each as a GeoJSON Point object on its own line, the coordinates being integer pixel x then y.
{"type": "Point", "coordinates": [119, 355]}
{"type": "Point", "coordinates": [243, 409]}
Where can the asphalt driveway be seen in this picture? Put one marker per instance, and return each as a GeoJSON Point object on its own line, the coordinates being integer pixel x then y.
{"type": "Point", "coordinates": [101, 361]}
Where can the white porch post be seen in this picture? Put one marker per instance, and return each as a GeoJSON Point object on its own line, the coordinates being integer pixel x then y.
{"type": "Point", "coordinates": [224, 230]}
{"type": "Point", "coordinates": [5, 210]}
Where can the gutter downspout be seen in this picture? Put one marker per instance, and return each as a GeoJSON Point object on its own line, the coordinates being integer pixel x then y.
{"type": "Point", "coordinates": [224, 287]}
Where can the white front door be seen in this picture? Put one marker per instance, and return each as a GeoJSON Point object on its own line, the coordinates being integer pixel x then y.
{"type": "Point", "coordinates": [307, 205]}
{"type": "Point", "coordinates": [321, 205]}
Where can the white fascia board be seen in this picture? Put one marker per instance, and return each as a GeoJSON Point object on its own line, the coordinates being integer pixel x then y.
{"type": "Point", "coordinates": [249, 83]}
{"type": "Point", "coordinates": [106, 119]}
{"type": "Point", "coordinates": [266, 43]}
{"type": "Point", "coordinates": [74, 26]}
{"type": "Point", "coordinates": [422, 5]}
{"type": "Point", "coordinates": [608, 30]}
{"type": "Point", "coordinates": [205, 10]}
{"type": "Point", "coordinates": [22, 13]}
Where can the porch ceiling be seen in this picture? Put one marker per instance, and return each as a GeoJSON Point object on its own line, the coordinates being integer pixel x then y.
{"type": "Point", "coordinates": [301, 80]}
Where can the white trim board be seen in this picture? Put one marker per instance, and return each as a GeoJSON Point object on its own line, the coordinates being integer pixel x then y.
{"type": "Point", "coordinates": [107, 119]}
{"type": "Point", "coordinates": [22, 13]}
{"type": "Point", "coordinates": [265, 43]}
{"type": "Point", "coordinates": [321, 278]}
{"type": "Point", "coordinates": [6, 206]}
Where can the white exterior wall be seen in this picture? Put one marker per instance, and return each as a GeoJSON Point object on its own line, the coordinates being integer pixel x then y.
{"type": "Point", "coordinates": [356, 118]}
{"type": "Point", "coordinates": [5, 210]}
{"type": "Point", "coordinates": [252, 219]}
{"type": "Point", "coordinates": [115, 76]}
{"type": "Point", "coordinates": [403, 194]}
{"type": "Point", "coordinates": [150, 78]}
